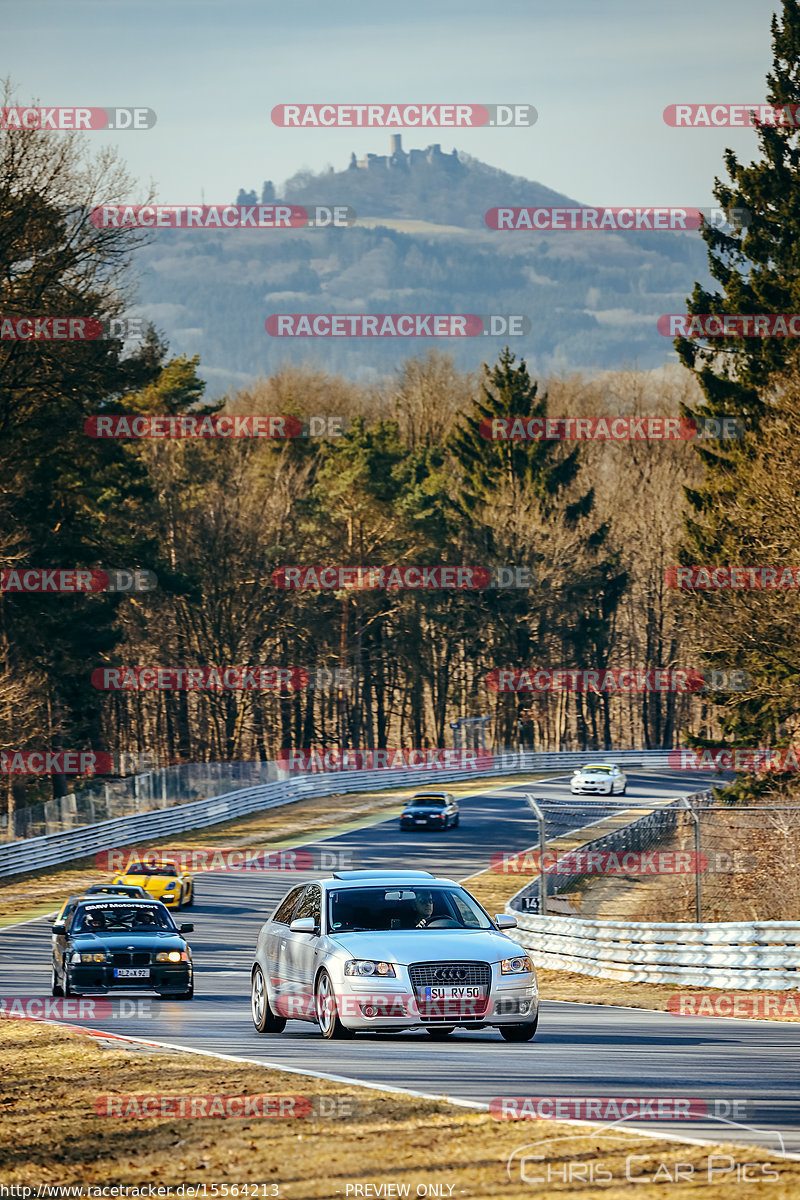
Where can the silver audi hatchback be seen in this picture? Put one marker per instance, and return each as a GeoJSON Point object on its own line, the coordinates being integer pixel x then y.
{"type": "Point", "coordinates": [391, 950]}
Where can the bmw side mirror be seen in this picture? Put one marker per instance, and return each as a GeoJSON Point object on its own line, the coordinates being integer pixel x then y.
{"type": "Point", "coordinates": [59, 927]}
{"type": "Point", "coordinates": [505, 921]}
{"type": "Point", "coordinates": [303, 925]}
{"type": "Point", "coordinates": [186, 929]}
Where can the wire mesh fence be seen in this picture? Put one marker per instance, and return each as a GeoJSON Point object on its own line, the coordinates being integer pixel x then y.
{"type": "Point", "coordinates": [162, 788]}
{"type": "Point", "coordinates": [678, 861]}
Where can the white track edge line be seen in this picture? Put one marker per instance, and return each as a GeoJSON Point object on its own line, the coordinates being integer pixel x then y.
{"type": "Point", "coordinates": [378, 1087]}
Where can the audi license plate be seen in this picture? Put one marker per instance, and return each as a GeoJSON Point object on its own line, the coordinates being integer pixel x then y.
{"type": "Point", "coordinates": [131, 972]}
{"type": "Point", "coordinates": [460, 992]}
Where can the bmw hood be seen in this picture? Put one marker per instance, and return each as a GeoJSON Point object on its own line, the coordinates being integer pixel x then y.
{"type": "Point", "coordinates": [121, 941]}
{"type": "Point", "coordinates": [427, 945]}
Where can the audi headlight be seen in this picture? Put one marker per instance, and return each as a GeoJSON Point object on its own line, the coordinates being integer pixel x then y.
{"type": "Point", "coordinates": [520, 965]}
{"type": "Point", "coordinates": [365, 966]}
{"type": "Point", "coordinates": [171, 885]}
{"type": "Point", "coordinates": [172, 956]}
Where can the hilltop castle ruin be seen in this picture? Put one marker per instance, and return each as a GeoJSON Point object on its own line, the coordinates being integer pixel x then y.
{"type": "Point", "coordinates": [401, 160]}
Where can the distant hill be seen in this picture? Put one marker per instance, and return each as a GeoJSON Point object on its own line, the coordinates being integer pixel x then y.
{"type": "Point", "coordinates": [593, 299]}
{"type": "Point", "coordinates": [445, 189]}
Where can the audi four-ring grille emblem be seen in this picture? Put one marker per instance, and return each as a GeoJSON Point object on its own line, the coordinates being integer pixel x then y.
{"type": "Point", "coordinates": [450, 973]}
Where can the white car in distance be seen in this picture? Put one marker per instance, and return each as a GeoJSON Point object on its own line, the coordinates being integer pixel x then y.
{"type": "Point", "coordinates": [602, 779]}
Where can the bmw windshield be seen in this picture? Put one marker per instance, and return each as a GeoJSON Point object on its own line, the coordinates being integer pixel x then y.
{"type": "Point", "coordinates": [123, 918]}
{"type": "Point", "coordinates": [368, 909]}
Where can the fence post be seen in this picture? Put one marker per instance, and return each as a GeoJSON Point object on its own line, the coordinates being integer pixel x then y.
{"type": "Point", "coordinates": [542, 847]}
{"type": "Point", "coordinates": [698, 883]}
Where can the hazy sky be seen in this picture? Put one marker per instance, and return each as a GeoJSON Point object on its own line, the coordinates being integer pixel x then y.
{"type": "Point", "coordinates": [599, 72]}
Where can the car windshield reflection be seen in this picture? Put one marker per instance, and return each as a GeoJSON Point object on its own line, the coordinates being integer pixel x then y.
{"type": "Point", "coordinates": [363, 910]}
{"type": "Point", "coordinates": [149, 869]}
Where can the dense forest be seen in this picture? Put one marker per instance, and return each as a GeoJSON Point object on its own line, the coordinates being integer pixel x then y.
{"type": "Point", "coordinates": [410, 480]}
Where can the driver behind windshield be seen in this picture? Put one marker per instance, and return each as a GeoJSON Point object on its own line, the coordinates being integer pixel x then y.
{"type": "Point", "coordinates": [92, 922]}
{"type": "Point", "coordinates": [423, 909]}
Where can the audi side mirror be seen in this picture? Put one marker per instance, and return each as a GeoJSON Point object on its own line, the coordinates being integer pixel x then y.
{"type": "Point", "coordinates": [303, 925]}
{"type": "Point", "coordinates": [505, 921]}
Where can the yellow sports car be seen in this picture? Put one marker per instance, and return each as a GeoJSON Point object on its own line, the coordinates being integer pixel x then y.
{"type": "Point", "coordinates": [163, 881]}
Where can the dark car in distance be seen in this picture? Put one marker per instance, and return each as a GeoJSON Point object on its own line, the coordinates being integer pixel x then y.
{"type": "Point", "coordinates": [430, 810]}
{"type": "Point", "coordinates": [107, 943]}
{"type": "Point", "coordinates": [131, 890]}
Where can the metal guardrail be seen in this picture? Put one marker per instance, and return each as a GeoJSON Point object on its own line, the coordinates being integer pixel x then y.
{"type": "Point", "coordinates": [33, 854]}
{"type": "Point", "coordinates": [742, 955]}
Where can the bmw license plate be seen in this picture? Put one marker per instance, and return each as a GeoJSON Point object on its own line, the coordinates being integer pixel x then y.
{"type": "Point", "coordinates": [131, 972]}
{"type": "Point", "coordinates": [461, 992]}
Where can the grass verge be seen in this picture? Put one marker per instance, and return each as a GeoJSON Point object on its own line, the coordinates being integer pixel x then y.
{"type": "Point", "coordinates": [51, 1134]}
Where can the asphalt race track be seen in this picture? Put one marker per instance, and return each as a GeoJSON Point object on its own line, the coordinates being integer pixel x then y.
{"type": "Point", "coordinates": [580, 1050]}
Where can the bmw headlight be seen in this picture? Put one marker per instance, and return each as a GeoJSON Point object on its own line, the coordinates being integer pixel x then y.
{"type": "Point", "coordinates": [172, 956]}
{"type": "Point", "coordinates": [520, 965]}
{"type": "Point", "coordinates": [366, 966]}
{"type": "Point", "coordinates": [97, 956]}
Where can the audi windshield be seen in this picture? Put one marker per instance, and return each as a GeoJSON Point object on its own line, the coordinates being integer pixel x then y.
{"type": "Point", "coordinates": [362, 910]}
